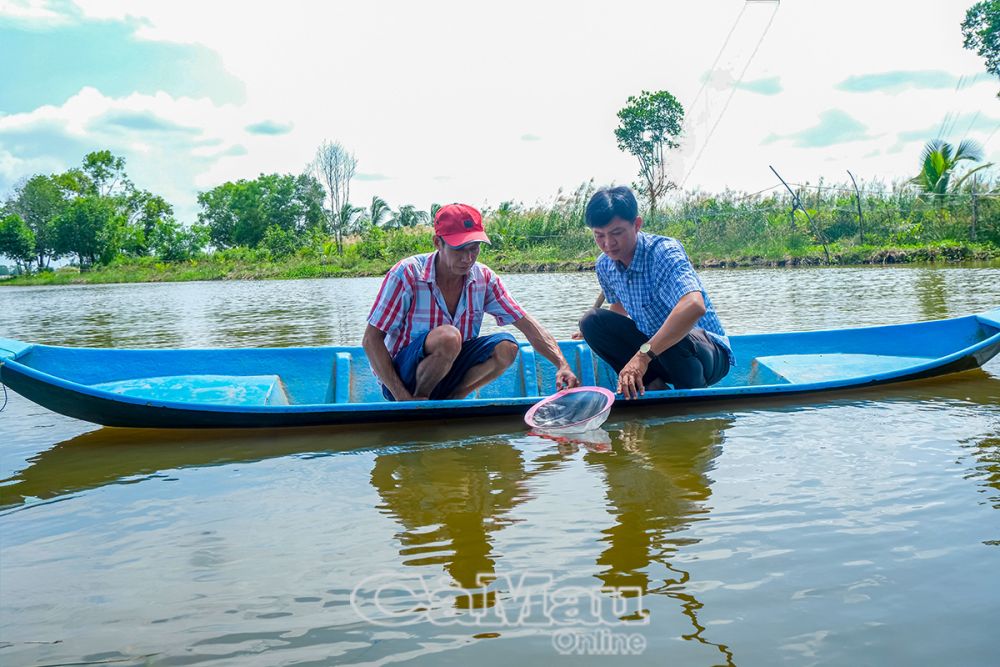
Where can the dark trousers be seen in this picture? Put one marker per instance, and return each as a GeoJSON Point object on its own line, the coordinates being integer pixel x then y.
{"type": "Point", "coordinates": [695, 361]}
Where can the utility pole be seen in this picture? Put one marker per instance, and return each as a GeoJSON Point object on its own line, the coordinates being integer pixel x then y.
{"type": "Point", "coordinates": [975, 209]}
{"type": "Point", "coordinates": [861, 222]}
{"type": "Point", "coordinates": [797, 204]}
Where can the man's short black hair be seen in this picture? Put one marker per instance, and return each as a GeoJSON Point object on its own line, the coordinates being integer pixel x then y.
{"type": "Point", "coordinates": [610, 203]}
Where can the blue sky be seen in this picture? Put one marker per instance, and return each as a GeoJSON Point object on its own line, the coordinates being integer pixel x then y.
{"type": "Point", "coordinates": [48, 63]}
{"type": "Point", "coordinates": [445, 100]}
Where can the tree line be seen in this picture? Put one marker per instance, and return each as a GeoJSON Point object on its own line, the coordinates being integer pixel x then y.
{"type": "Point", "coordinates": [94, 214]}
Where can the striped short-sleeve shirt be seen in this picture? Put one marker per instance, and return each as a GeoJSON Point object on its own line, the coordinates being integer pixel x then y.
{"type": "Point", "coordinates": [410, 302]}
{"type": "Point", "coordinates": [659, 274]}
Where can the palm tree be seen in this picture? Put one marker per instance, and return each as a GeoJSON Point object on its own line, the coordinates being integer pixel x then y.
{"type": "Point", "coordinates": [408, 216]}
{"type": "Point", "coordinates": [347, 222]}
{"type": "Point", "coordinates": [939, 162]}
{"type": "Point", "coordinates": [377, 212]}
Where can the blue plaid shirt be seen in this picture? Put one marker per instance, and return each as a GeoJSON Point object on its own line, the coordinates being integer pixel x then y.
{"type": "Point", "coordinates": [658, 276]}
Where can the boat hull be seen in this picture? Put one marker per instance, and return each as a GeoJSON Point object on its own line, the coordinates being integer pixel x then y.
{"type": "Point", "coordinates": [329, 386]}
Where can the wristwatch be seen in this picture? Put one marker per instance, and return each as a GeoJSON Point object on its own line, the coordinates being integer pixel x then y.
{"type": "Point", "coordinates": [648, 351]}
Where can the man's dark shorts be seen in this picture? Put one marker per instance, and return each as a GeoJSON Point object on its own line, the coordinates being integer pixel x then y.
{"type": "Point", "coordinates": [474, 352]}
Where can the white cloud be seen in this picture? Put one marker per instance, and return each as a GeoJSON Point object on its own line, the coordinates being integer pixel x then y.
{"type": "Point", "coordinates": [438, 94]}
{"type": "Point", "coordinates": [32, 12]}
{"type": "Point", "coordinates": [181, 144]}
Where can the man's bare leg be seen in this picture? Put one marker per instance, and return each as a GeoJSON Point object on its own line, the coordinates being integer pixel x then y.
{"type": "Point", "coordinates": [482, 374]}
{"type": "Point", "coordinates": [441, 348]}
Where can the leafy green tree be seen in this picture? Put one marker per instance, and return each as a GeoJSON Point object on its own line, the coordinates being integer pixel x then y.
{"type": "Point", "coordinates": [294, 203]}
{"type": "Point", "coordinates": [279, 241]}
{"type": "Point", "coordinates": [220, 214]}
{"type": "Point", "coordinates": [91, 228]}
{"type": "Point", "coordinates": [172, 242]}
{"type": "Point", "coordinates": [981, 29]}
{"type": "Point", "coordinates": [106, 173]}
{"type": "Point", "coordinates": [123, 237]}
{"type": "Point", "coordinates": [649, 125]}
{"type": "Point", "coordinates": [38, 201]}
{"type": "Point", "coordinates": [143, 211]}
{"type": "Point", "coordinates": [17, 241]}
{"type": "Point", "coordinates": [372, 243]}
{"type": "Point", "coordinates": [238, 214]}
{"type": "Point", "coordinates": [74, 183]}
{"type": "Point", "coordinates": [939, 164]}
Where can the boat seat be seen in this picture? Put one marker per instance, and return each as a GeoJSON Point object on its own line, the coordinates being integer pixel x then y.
{"type": "Point", "coordinates": [214, 389]}
{"type": "Point", "coordinates": [806, 368]}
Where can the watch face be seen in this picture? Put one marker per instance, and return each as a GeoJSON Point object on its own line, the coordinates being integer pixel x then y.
{"type": "Point", "coordinates": [644, 348]}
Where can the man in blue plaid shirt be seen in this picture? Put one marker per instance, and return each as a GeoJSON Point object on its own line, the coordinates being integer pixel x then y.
{"type": "Point", "coordinates": [661, 327]}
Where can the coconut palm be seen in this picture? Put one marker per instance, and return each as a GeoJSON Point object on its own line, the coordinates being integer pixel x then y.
{"type": "Point", "coordinates": [408, 216]}
{"type": "Point", "coordinates": [939, 162]}
{"type": "Point", "coordinates": [377, 212]}
{"type": "Point", "coordinates": [348, 219]}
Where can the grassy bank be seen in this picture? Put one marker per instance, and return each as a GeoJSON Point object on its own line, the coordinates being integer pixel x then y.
{"type": "Point", "coordinates": [538, 259]}
{"type": "Point", "coordinates": [718, 230]}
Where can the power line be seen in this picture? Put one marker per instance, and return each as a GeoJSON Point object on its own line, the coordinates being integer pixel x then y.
{"type": "Point", "coordinates": [719, 55]}
{"type": "Point", "coordinates": [759, 192]}
{"type": "Point", "coordinates": [875, 191]}
{"type": "Point", "coordinates": [732, 91]}
{"type": "Point", "coordinates": [990, 137]}
{"type": "Point", "coordinates": [975, 117]}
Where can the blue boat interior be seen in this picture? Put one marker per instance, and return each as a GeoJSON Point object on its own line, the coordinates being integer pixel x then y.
{"type": "Point", "coordinates": [328, 375]}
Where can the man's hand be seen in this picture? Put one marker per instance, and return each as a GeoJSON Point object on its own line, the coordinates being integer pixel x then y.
{"type": "Point", "coordinates": [547, 346]}
{"type": "Point", "coordinates": [630, 379]}
{"type": "Point", "coordinates": [566, 379]}
{"type": "Point", "coordinates": [577, 336]}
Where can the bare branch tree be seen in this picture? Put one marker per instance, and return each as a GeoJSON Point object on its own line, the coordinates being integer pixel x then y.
{"type": "Point", "coordinates": [334, 167]}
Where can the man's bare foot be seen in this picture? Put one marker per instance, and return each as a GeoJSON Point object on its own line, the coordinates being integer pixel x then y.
{"type": "Point", "coordinates": [656, 385]}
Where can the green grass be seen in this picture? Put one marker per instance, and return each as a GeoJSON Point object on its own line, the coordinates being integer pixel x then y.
{"type": "Point", "coordinates": [537, 258]}
{"type": "Point", "coordinates": [727, 229]}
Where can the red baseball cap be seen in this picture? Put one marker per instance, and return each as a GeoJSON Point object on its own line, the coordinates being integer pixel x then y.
{"type": "Point", "coordinates": [459, 224]}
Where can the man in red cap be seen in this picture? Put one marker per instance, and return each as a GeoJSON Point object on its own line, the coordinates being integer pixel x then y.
{"type": "Point", "coordinates": [422, 338]}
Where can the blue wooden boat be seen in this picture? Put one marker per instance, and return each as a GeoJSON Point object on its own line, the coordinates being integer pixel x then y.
{"type": "Point", "coordinates": [267, 387]}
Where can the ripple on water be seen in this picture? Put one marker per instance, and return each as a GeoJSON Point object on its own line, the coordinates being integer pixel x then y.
{"type": "Point", "coordinates": [856, 529]}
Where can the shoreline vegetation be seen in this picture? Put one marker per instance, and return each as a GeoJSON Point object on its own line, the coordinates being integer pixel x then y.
{"type": "Point", "coordinates": [280, 227]}
{"type": "Point", "coordinates": [216, 267]}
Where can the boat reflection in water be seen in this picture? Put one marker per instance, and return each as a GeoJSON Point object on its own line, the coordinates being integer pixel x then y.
{"type": "Point", "coordinates": [657, 484]}
{"type": "Point", "coordinates": [449, 503]}
{"type": "Point", "coordinates": [465, 501]}
{"type": "Point", "coordinates": [119, 455]}
{"type": "Point", "coordinates": [453, 503]}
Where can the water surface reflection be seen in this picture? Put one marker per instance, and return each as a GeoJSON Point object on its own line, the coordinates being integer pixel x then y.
{"type": "Point", "coordinates": [657, 483]}
{"type": "Point", "coordinates": [852, 527]}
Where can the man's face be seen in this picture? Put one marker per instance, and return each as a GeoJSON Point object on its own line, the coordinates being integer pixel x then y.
{"type": "Point", "coordinates": [617, 239]}
{"type": "Point", "coordinates": [456, 261]}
